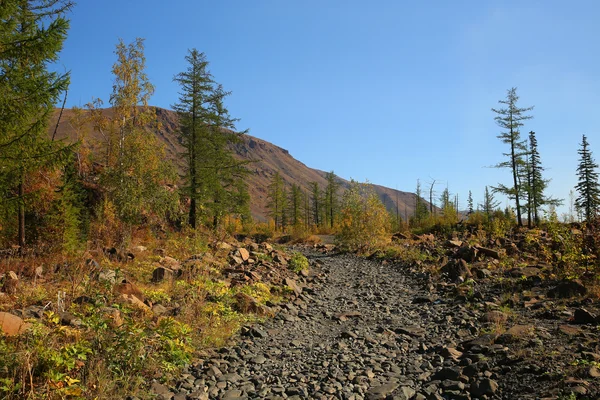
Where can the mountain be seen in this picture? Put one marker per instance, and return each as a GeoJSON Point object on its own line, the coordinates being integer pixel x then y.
{"type": "Point", "coordinates": [267, 159]}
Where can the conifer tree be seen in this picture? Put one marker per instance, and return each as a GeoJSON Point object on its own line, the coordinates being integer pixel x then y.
{"type": "Point", "coordinates": [420, 206]}
{"type": "Point", "coordinates": [331, 198]}
{"type": "Point", "coordinates": [489, 203]}
{"type": "Point", "coordinates": [470, 204]}
{"type": "Point", "coordinates": [316, 201]}
{"type": "Point", "coordinates": [535, 183]}
{"type": "Point", "coordinates": [32, 33]}
{"type": "Point", "coordinates": [213, 176]}
{"type": "Point", "coordinates": [588, 201]}
{"type": "Point", "coordinates": [276, 201]}
{"type": "Point", "coordinates": [296, 203]}
{"type": "Point", "coordinates": [510, 119]}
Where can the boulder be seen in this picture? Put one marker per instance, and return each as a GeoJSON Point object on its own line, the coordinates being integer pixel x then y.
{"type": "Point", "coordinates": [134, 301]}
{"type": "Point", "coordinates": [11, 325]}
{"type": "Point", "coordinates": [484, 387]}
{"type": "Point", "coordinates": [162, 273]}
{"type": "Point", "coordinates": [567, 289]}
{"type": "Point", "coordinates": [11, 281]}
{"type": "Point", "coordinates": [583, 316]}
{"type": "Point", "coordinates": [242, 253]}
{"type": "Point", "coordinates": [496, 254]}
{"type": "Point", "coordinates": [127, 288]}
{"type": "Point", "coordinates": [456, 269]}
{"type": "Point", "coordinates": [248, 304]}
{"type": "Point", "coordinates": [293, 285]}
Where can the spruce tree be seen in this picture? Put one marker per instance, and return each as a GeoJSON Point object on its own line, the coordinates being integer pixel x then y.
{"type": "Point", "coordinates": [296, 203]}
{"type": "Point", "coordinates": [588, 201]}
{"type": "Point", "coordinates": [510, 119]}
{"type": "Point", "coordinates": [32, 34]}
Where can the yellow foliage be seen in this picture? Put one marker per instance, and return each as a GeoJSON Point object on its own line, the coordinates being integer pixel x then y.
{"type": "Point", "coordinates": [364, 223]}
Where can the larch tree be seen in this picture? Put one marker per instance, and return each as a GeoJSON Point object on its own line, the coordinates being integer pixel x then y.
{"type": "Point", "coordinates": [535, 183]}
{"type": "Point", "coordinates": [214, 178]}
{"type": "Point", "coordinates": [470, 209]}
{"type": "Point", "coordinates": [316, 199]}
{"type": "Point", "coordinates": [510, 118]}
{"type": "Point", "coordinates": [588, 201]}
{"type": "Point", "coordinates": [296, 202]}
{"type": "Point", "coordinates": [276, 199]}
{"type": "Point", "coordinates": [489, 204]}
{"type": "Point", "coordinates": [331, 198]}
{"type": "Point", "coordinates": [32, 33]}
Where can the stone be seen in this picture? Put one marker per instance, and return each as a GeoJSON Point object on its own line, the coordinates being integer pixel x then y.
{"type": "Point", "coordinates": [170, 262]}
{"type": "Point", "coordinates": [12, 325]}
{"type": "Point", "coordinates": [161, 391]}
{"type": "Point", "coordinates": [516, 333]}
{"type": "Point", "coordinates": [242, 253]}
{"type": "Point", "coordinates": [247, 304]}
{"type": "Point", "coordinates": [455, 269]}
{"type": "Point", "coordinates": [497, 317]}
{"type": "Point", "coordinates": [583, 316]}
{"type": "Point", "coordinates": [134, 301]}
{"type": "Point", "coordinates": [162, 273]}
{"type": "Point", "coordinates": [382, 391]}
{"type": "Point", "coordinates": [108, 275]}
{"type": "Point", "coordinates": [496, 254]}
{"type": "Point", "coordinates": [159, 310]}
{"type": "Point", "coordinates": [128, 288]}
{"type": "Point", "coordinates": [451, 352]}
{"type": "Point", "coordinates": [11, 282]}
{"type": "Point", "coordinates": [289, 282]}
{"type": "Point", "coordinates": [485, 387]}
{"type": "Point", "coordinates": [413, 331]}
{"type": "Point", "coordinates": [566, 289]}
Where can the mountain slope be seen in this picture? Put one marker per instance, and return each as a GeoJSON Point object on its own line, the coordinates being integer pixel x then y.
{"type": "Point", "coordinates": [267, 159]}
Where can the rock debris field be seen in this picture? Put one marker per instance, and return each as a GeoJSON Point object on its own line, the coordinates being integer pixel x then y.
{"type": "Point", "coordinates": [361, 329]}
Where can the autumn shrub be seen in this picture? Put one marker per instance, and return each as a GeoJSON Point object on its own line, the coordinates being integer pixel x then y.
{"type": "Point", "coordinates": [298, 262]}
{"type": "Point", "coordinates": [364, 223]}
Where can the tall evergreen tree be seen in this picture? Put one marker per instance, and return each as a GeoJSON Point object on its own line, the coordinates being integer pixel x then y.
{"type": "Point", "coordinates": [331, 198]}
{"type": "Point", "coordinates": [420, 205]}
{"type": "Point", "coordinates": [276, 201]}
{"type": "Point", "coordinates": [470, 209]}
{"type": "Point", "coordinates": [296, 203]}
{"type": "Point", "coordinates": [32, 33]}
{"type": "Point", "coordinates": [510, 119]}
{"type": "Point", "coordinates": [214, 177]}
{"type": "Point", "coordinates": [316, 201]}
{"type": "Point", "coordinates": [536, 184]}
{"type": "Point", "coordinates": [489, 203]}
{"type": "Point", "coordinates": [588, 201]}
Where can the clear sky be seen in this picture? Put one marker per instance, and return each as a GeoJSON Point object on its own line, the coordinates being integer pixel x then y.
{"type": "Point", "coordinates": [389, 91]}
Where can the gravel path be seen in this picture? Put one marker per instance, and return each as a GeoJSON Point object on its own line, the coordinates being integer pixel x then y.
{"type": "Point", "coordinates": [359, 330]}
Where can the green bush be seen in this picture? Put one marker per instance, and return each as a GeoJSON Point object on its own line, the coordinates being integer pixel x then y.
{"type": "Point", "coordinates": [298, 262]}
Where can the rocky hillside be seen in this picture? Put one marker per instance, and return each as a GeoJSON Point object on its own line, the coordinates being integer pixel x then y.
{"type": "Point", "coordinates": [267, 159]}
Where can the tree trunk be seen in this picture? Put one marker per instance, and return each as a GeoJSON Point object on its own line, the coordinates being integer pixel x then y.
{"type": "Point", "coordinates": [514, 170]}
{"type": "Point", "coordinates": [21, 215]}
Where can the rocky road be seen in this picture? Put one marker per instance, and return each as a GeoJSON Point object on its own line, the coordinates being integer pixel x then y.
{"type": "Point", "coordinates": [364, 330]}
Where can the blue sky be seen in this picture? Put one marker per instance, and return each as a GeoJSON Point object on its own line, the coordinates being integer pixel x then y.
{"type": "Point", "coordinates": [389, 91]}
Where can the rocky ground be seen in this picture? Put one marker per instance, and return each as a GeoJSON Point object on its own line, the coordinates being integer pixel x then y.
{"type": "Point", "coordinates": [364, 329]}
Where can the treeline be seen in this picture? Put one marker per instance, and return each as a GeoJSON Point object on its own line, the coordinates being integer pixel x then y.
{"type": "Point", "coordinates": [63, 194]}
